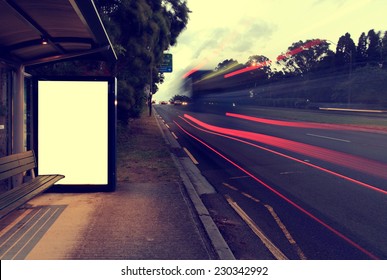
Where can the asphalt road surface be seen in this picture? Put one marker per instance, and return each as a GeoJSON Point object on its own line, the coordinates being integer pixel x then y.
{"type": "Point", "coordinates": [308, 191]}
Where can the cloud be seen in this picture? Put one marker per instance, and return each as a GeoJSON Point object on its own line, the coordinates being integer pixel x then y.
{"type": "Point", "coordinates": [225, 43]}
{"type": "Point", "coordinates": [219, 29]}
{"type": "Point", "coordinates": [256, 33]}
{"type": "Point", "coordinates": [212, 43]}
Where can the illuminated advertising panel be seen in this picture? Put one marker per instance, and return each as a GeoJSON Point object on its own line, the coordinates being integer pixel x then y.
{"type": "Point", "coordinates": [76, 131]}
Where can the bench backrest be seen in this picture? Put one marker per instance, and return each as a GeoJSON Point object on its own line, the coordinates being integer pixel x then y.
{"type": "Point", "coordinates": [16, 164]}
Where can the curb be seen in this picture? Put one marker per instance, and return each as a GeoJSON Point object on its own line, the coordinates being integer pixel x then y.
{"type": "Point", "coordinates": [219, 244]}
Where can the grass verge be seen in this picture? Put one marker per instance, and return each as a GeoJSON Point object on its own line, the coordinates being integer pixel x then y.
{"type": "Point", "coordinates": [142, 154]}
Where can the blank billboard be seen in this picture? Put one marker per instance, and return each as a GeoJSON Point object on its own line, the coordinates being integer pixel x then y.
{"type": "Point", "coordinates": [73, 131]}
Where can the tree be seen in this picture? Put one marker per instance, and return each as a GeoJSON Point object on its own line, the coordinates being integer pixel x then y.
{"type": "Point", "coordinates": [384, 51]}
{"type": "Point", "coordinates": [263, 71]}
{"type": "Point", "coordinates": [374, 47]}
{"type": "Point", "coordinates": [141, 31]}
{"type": "Point", "coordinates": [256, 59]}
{"type": "Point", "coordinates": [345, 51]}
{"type": "Point", "coordinates": [361, 52]}
{"type": "Point", "coordinates": [226, 64]}
{"type": "Point", "coordinates": [303, 57]}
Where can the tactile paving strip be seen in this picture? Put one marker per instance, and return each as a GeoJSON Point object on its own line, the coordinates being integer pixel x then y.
{"type": "Point", "coordinates": [17, 241]}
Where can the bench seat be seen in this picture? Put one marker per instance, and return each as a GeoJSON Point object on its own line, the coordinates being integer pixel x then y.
{"type": "Point", "coordinates": [16, 197]}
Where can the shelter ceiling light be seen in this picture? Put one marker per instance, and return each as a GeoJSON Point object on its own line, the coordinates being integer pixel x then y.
{"type": "Point", "coordinates": [43, 40]}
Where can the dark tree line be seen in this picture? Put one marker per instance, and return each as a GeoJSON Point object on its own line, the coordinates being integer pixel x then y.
{"type": "Point", "coordinates": [310, 70]}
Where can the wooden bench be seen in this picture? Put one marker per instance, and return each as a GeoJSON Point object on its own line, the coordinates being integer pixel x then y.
{"type": "Point", "coordinates": [18, 164]}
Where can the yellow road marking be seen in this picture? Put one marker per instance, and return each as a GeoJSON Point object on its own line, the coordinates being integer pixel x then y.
{"type": "Point", "coordinates": [287, 234]}
{"type": "Point", "coordinates": [251, 197]}
{"type": "Point", "coordinates": [191, 156]}
{"type": "Point", "coordinates": [281, 225]}
{"type": "Point", "coordinates": [266, 241]}
{"type": "Point", "coordinates": [230, 187]}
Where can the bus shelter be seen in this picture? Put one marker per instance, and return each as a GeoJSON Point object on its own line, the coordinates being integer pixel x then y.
{"type": "Point", "coordinates": [58, 118]}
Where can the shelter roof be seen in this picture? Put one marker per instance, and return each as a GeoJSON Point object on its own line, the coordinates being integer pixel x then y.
{"type": "Point", "coordinates": [39, 31]}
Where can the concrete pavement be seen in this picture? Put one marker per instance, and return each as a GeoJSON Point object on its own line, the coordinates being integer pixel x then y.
{"type": "Point", "coordinates": [138, 221]}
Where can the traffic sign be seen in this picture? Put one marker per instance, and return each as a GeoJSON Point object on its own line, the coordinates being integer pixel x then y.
{"type": "Point", "coordinates": [166, 65]}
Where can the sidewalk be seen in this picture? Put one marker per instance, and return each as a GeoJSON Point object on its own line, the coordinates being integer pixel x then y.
{"type": "Point", "coordinates": [159, 219]}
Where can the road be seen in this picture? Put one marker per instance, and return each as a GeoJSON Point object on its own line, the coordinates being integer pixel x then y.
{"type": "Point", "coordinates": [306, 190]}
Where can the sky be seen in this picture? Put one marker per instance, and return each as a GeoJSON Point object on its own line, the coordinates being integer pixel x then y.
{"type": "Point", "coordinates": [219, 30]}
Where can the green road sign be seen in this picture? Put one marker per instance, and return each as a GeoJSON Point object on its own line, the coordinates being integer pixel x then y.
{"type": "Point", "coordinates": [166, 66]}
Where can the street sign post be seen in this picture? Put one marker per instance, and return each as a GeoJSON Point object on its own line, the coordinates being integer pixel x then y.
{"type": "Point", "coordinates": [166, 66]}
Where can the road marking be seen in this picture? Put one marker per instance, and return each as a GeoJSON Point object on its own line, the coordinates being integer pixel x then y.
{"type": "Point", "coordinates": [330, 138]}
{"type": "Point", "coordinates": [352, 110]}
{"type": "Point", "coordinates": [190, 156]}
{"type": "Point", "coordinates": [167, 125]}
{"type": "Point", "coordinates": [230, 187]}
{"type": "Point", "coordinates": [266, 241]}
{"type": "Point", "coordinates": [174, 135]}
{"type": "Point", "coordinates": [239, 177]}
{"type": "Point", "coordinates": [285, 231]}
{"type": "Point", "coordinates": [290, 172]}
{"type": "Point", "coordinates": [277, 219]}
{"type": "Point", "coordinates": [279, 194]}
{"type": "Point", "coordinates": [251, 197]}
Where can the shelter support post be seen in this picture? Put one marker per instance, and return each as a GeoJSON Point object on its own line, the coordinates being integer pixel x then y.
{"type": "Point", "coordinates": [18, 116]}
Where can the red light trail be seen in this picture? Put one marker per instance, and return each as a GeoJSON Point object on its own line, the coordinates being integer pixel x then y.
{"type": "Point", "coordinates": [353, 162]}
{"type": "Point", "coordinates": [336, 232]}
{"type": "Point", "coordinates": [275, 122]}
{"type": "Point", "coordinates": [292, 158]}
{"type": "Point", "coordinates": [250, 68]}
{"type": "Point", "coordinates": [304, 124]}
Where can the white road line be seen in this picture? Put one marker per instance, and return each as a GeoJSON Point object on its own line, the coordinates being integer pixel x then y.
{"type": "Point", "coordinates": [174, 135]}
{"type": "Point", "coordinates": [330, 138]}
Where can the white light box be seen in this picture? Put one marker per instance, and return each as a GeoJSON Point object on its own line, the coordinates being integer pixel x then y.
{"type": "Point", "coordinates": [74, 137]}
